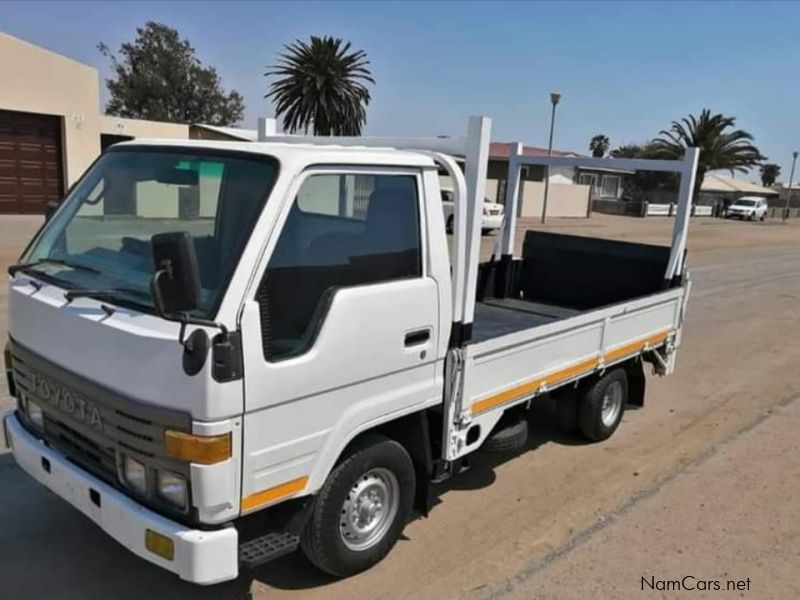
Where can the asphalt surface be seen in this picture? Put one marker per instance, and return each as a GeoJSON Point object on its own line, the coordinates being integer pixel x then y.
{"type": "Point", "coordinates": [702, 483]}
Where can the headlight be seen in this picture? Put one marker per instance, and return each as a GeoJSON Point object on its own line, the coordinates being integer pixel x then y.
{"type": "Point", "coordinates": [135, 474]}
{"type": "Point", "coordinates": [35, 414]}
{"type": "Point", "coordinates": [172, 487]}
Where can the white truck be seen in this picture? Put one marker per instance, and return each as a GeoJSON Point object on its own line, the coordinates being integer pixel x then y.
{"type": "Point", "coordinates": [222, 352]}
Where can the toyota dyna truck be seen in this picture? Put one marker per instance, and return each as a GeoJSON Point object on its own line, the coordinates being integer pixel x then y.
{"type": "Point", "coordinates": [222, 352]}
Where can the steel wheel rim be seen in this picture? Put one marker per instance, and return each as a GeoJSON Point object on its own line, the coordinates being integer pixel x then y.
{"type": "Point", "coordinates": [369, 509]}
{"type": "Point", "coordinates": [612, 403]}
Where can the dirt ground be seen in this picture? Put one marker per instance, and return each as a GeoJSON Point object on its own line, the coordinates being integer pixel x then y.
{"type": "Point", "coordinates": [700, 487]}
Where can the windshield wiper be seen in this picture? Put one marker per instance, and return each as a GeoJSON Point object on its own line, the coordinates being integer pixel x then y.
{"type": "Point", "coordinates": [14, 269]}
{"type": "Point", "coordinates": [112, 294]}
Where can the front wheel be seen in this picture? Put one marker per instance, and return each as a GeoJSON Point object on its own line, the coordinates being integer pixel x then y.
{"type": "Point", "coordinates": [362, 508]}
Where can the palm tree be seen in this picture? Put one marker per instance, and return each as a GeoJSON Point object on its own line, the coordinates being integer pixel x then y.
{"type": "Point", "coordinates": [321, 86]}
{"type": "Point", "coordinates": [631, 151]}
{"type": "Point", "coordinates": [599, 145]}
{"type": "Point", "coordinates": [640, 184]}
{"type": "Point", "coordinates": [720, 146]}
{"type": "Point", "coordinates": [769, 173]}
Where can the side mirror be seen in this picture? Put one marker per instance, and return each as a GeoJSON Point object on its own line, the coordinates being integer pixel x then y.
{"type": "Point", "coordinates": [50, 209]}
{"type": "Point", "coordinates": [176, 281]}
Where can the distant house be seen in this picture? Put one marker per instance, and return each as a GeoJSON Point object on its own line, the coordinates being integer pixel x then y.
{"type": "Point", "coordinates": [783, 192]}
{"type": "Point", "coordinates": [566, 198]}
{"type": "Point", "coordinates": [722, 190]}
{"type": "Point", "coordinates": [606, 184]}
{"type": "Point", "coordinates": [497, 173]}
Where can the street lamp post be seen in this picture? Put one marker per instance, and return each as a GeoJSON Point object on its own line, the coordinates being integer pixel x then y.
{"type": "Point", "coordinates": [789, 192]}
{"type": "Point", "coordinates": [554, 98]}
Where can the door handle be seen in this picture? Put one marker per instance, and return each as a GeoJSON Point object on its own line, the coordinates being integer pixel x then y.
{"type": "Point", "coordinates": [417, 337]}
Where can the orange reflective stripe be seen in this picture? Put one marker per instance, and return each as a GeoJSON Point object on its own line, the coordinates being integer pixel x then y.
{"type": "Point", "coordinates": [274, 493]}
{"type": "Point", "coordinates": [636, 347]}
{"type": "Point", "coordinates": [533, 385]}
{"type": "Point", "coordinates": [581, 368]}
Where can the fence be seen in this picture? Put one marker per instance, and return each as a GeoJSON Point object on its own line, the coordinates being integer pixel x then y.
{"type": "Point", "coordinates": [635, 208]}
{"type": "Point", "coordinates": [668, 210]}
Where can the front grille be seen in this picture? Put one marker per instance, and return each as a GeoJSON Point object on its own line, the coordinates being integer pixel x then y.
{"type": "Point", "coordinates": [93, 426]}
{"type": "Point", "coordinates": [98, 458]}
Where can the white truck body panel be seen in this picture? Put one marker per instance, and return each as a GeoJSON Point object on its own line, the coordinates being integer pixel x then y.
{"type": "Point", "coordinates": [514, 368]}
{"type": "Point", "coordinates": [357, 375]}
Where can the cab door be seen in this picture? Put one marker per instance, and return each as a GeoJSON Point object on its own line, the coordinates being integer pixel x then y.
{"type": "Point", "coordinates": [343, 330]}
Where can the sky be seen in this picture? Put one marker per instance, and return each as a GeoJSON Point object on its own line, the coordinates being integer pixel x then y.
{"type": "Point", "coordinates": [625, 69]}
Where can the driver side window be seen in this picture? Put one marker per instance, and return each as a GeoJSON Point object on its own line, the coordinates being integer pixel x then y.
{"type": "Point", "coordinates": [343, 230]}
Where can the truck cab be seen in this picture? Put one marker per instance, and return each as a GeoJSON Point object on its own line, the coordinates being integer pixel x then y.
{"type": "Point", "coordinates": [330, 269]}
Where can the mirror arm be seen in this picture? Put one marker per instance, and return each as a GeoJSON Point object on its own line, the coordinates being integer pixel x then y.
{"type": "Point", "coordinates": [183, 318]}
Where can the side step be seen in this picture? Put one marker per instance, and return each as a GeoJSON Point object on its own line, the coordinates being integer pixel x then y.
{"type": "Point", "coordinates": [269, 546]}
{"type": "Point", "coordinates": [444, 470]}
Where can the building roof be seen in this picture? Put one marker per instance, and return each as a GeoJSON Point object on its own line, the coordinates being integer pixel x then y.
{"type": "Point", "coordinates": [503, 150]}
{"type": "Point", "coordinates": [719, 183]}
{"type": "Point", "coordinates": [245, 135]}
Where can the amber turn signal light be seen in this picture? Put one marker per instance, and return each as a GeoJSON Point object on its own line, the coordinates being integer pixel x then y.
{"type": "Point", "coordinates": [200, 449]}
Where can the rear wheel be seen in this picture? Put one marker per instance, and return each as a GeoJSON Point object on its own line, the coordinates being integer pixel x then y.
{"type": "Point", "coordinates": [362, 508]}
{"type": "Point", "coordinates": [602, 405]}
{"type": "Point", "coordinates": [450, 224]}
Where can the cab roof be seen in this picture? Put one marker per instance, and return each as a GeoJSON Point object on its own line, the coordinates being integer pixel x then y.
{"type": "Point", "coordinates": [302, 153]}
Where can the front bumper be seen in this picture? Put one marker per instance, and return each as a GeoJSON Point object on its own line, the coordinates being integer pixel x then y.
{"type": "Point", "coordinates": [202, 557]}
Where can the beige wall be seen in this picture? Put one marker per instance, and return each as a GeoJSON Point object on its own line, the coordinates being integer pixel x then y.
{"type": "Point", "coordinates": [36, 80]}
{"type": "Point", "coordinates": [563, 200]}
{"type": "Point", "coordinates": [143, 129]}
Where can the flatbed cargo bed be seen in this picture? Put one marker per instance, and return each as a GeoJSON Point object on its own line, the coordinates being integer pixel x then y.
{"type": "Point", "coordinates": [497, 317]}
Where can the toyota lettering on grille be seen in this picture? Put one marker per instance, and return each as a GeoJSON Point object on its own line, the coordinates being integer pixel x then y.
{"type": "Point", "coordinates": [67, 401]}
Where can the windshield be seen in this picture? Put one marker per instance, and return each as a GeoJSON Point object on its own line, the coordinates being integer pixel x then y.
{"type": "Point", "coordinates": [100, 240]}
{"type": "Point", "coordinates": [745, 203]}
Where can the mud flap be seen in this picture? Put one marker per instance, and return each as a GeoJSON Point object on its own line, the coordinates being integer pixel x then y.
{"type": "Point", "coordinates": [636, 382]}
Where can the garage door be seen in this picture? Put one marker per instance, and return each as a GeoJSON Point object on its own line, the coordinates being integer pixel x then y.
{"type": "Point", "coordinates": [31, 173]}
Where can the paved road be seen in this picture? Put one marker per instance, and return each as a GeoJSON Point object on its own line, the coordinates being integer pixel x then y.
{"type": "Point", "coordinates": [701, 482]}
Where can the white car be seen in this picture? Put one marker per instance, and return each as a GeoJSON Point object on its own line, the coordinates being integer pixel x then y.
{"type": "Point", "coordinates": [492, 212]}
{"type": "Point", "coordinates": [751, 208]}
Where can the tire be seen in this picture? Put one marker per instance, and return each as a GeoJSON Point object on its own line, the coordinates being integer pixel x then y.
{"type": "Point", "coordinates": [378, 470]}
{"type": "Point", "coordinates": [512, 436]}
{"type": "Point", "coordinates": [596, 419]}
{"type": "Point", "coordinates": [763, 217]}
{"type": "Point", "coordinates": [450, 224]}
